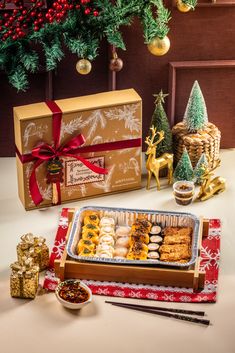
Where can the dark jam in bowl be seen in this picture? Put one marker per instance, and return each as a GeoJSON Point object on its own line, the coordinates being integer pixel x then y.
{"type": "Point", "coordinates": [73, 293]}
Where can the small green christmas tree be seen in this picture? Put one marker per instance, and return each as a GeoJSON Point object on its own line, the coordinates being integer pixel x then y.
{"type": "Point", "coordinates": [160, 121]}
{"type": "Point", "coordinates": [195, 116]}
{"type": "Point", "coordinates": [184, 169]}
{"type": "Point", "coordinates": [200, 168]}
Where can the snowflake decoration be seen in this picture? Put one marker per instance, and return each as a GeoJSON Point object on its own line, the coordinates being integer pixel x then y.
{"type": "Point", "coordinates": [168, 297]}
{"type": "Point", "coordinates": [152, 296]}
{"type": "Point", "coordinates": [210, 287]}
{"type": "Point", "coordinates": [185, 298]}
{"type": "Point", "coordinates": [202, 298]}
{"type": "Point", "coordinates": [119, 293]}
{"type": "Point", "coordinates": [135, 294]}
{"type": "Point", "coordinates": [58, 248]}
{"type": "Point", "coordinates": [63, 222]}
{"type": "Point", "coordinates": [214, 234]}
{"type": "Point", "coordinates": [50, 274]}
{"type": "Point", "coordinates": [102, 291]}
{"type": "Point", "coordinates": [209, 258]}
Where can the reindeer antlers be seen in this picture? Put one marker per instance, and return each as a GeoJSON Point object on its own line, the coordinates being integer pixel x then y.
{"type": "Point", "coordinates": [154, 132]}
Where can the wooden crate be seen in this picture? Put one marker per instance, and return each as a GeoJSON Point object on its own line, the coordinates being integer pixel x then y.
{"type": "Point", "coordinates": [66, 268]}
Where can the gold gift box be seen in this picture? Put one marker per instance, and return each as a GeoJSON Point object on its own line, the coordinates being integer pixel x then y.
{"type": "Point", "coordinates": [35, 248]}
{"type": "Point", "coordinates": [24, 279]}
{"type": "Point", "coordinates": [102, 118]}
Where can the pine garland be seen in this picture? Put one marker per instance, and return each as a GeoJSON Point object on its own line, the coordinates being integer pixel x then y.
{"type": "Point", "coordinates": [80, 27]}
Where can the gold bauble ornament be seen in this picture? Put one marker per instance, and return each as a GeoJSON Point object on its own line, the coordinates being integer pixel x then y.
{"type": "Point", "coordinates": [182, 7]}
{"type": "Point", "coordinates": [83, 66]}
{"type": "Point", "coordinates": [159, 46]}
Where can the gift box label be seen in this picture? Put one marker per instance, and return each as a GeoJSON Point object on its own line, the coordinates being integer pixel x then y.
{"type": "Point", "coordinates": [97, 138]}
{"type": "Point", "coordinates": [76, 173]}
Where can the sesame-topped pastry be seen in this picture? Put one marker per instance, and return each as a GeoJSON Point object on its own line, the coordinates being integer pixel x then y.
{"type": "Point", "coordinates": [92, 219]}
{"type": "Point", "coordinates": [142, 255]}
{"type": "Point", "coordinates": [107, 221]}
{"type": "Point", "coordinates": [142, 224]}
{"type": "Point", "coordinates": [138, 246]}
{"type": "Point", "coordinates": [139, 236]}
{"type": "Point", "coordinates": [90, 227]}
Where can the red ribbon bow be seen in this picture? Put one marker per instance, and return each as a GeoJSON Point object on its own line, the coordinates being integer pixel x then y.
{"type": "Point", "coordinates": [47, 152]}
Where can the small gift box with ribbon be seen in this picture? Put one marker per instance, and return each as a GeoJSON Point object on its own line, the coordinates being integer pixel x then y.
{"type": "Point", "coordinates": [79, 147]}
{"type": "Point", "coordinates": [35, 248]}
{"type": "Point", "coordinates": [24, 279]}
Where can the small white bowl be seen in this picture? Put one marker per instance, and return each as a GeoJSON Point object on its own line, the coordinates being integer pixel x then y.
{"type": "Point", "coordinates": [68, 304]}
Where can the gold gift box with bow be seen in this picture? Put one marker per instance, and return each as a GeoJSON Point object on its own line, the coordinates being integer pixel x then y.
{"type": "Point", "coordinates": [35, 248]}
{"type": "Point", "coordinates": [24, 279]}
{"type": "Point", "coordinates": [109, 118]}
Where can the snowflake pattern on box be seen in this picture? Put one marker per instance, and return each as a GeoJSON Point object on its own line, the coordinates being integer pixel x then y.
{"type": "Point", "coordinates": [210, 261]}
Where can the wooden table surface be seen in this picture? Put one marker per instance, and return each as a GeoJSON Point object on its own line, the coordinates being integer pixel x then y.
{"type": "Point", "coordinates": [43, 325]}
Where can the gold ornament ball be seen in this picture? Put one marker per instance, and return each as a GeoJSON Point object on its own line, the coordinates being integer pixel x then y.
{"type": "Point", "coordinates": [182, 7]}
{"type": "Point", "coordinates": [83, 67]}
{"type": "Point", "coordinates": [159, 46]}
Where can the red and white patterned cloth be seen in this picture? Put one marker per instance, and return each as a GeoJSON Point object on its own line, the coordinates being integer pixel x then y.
{"type": "Point", "coordinates": [210, 255]}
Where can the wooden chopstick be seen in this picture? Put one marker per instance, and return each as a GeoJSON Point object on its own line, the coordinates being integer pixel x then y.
{"type": "Point", "coordinates": [166, 314]}
{"type": "Point", "coordinates": [172, 310]}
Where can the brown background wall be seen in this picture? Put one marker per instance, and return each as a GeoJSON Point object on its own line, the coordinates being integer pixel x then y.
{"type": "Point", "coordinates": [208, 33]}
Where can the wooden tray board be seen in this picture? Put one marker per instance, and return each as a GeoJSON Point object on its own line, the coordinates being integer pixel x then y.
{"type": "Point", "coordinates": [66, 268]}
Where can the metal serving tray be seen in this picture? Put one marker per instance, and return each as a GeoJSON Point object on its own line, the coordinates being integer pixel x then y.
{"type": "Point", "coordinates": [125, 216]}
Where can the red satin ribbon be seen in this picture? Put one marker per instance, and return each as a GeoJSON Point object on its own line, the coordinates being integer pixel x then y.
{"type": "Point", "coordinates": [46, 152]}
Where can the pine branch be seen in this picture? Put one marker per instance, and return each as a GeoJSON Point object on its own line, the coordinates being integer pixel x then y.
{"type": "Point", "coordinates": [191, 3]}
{"type": "Point", "coordinates": [18, 79]}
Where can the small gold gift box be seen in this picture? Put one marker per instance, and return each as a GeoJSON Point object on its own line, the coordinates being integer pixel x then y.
{"type": "Point", "coordinates": [35, 247]}
{"type": "Point", "coordinates": [24, 279]}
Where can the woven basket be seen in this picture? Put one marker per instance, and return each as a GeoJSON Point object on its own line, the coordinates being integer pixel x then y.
{"type": "Point", "coordinates": [206, 141]}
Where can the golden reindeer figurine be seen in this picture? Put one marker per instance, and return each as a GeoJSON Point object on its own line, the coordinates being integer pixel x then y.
{"type": "Point", "coordinates": [153, 164]}
{"type": "Point", "coordinates": [211, 187]}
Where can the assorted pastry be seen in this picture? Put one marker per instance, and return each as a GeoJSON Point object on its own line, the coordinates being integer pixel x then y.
{"type": "Point", "coordinates": [143, 240]}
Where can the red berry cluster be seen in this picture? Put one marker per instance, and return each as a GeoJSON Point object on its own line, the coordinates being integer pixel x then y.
{"type": "Point", "coordinates": [16, 23]}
